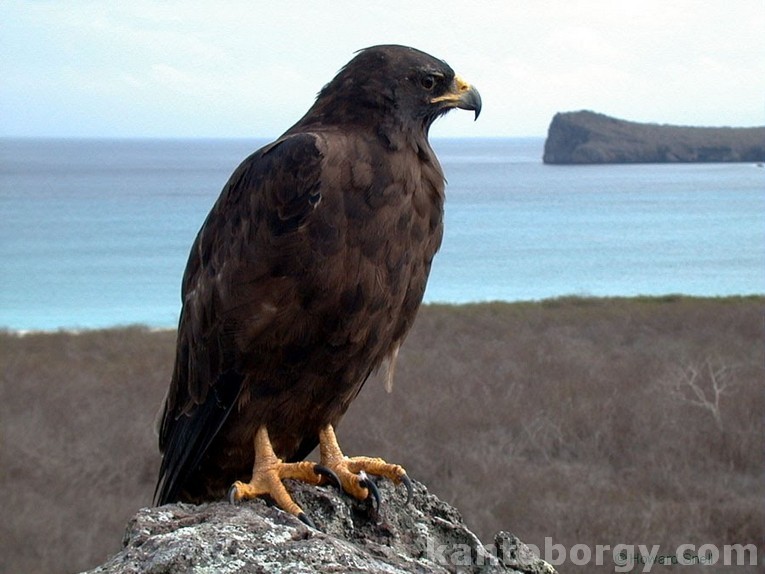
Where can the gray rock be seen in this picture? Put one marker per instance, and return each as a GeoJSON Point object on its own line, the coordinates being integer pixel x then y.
{"type": "Point", "coordinates": [425, 536]}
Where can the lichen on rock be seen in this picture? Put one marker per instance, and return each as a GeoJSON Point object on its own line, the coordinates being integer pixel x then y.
{"type": "Point", "coordinates": [426, 535]}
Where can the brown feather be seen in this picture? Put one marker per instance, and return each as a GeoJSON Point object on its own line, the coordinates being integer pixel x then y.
{"type": "Point", "coordinates": [306, 275]}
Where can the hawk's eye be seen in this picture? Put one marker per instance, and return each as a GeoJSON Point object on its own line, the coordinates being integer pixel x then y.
{"type": "Point", "coordinates": [428, 82]}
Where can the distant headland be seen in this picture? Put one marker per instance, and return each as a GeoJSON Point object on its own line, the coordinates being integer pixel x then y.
{"type": "Point", "coordinates": [587, 137]}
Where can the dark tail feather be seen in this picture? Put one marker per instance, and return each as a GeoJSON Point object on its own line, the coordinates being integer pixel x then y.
{"type": "Point", "coordinates": [186, 437]}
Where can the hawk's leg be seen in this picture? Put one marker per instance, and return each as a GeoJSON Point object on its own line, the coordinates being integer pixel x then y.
{"type": "Point", "coordinates": [352, 471]}
{"type": "Point", "coordinates": [268, 473]}
{"type": "Point", "coordinates": [349, 472]}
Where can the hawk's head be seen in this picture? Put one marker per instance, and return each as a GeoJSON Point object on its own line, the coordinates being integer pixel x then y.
{"type": "Point", "coordinates": [393, 83]}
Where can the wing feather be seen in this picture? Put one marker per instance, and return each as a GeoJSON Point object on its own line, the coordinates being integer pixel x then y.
{"type": "Point", "coordinates": [229, 290]}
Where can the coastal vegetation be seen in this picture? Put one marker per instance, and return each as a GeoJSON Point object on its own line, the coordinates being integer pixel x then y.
{"type": "Point", "coordinates": [590, 421]}
{"type": "Point", "coordinates": [587, 137]}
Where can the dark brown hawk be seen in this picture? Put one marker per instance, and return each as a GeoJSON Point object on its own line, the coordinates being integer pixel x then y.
{"type": "Point", "coordinates": [305, 277]}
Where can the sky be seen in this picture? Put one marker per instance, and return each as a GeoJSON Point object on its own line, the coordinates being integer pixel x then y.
{"type": "Point", "coordinates": [147, 68]}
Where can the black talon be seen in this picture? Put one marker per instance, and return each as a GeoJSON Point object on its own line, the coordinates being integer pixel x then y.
{"type": "Point", "coordinates": [232, 495]}
{"type": "Point", "coordinates": [409, 490]}
{"type": "Point", "coordinates": [329, 474]}
{"type": "Point", "coordinates": [303, 517]}
{"type": "Point", "coordinates": [374, 493]}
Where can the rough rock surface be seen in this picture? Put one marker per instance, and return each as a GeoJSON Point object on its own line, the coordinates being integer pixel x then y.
{"type": "Point", "coordinates": [587, 137]}
{"type": "Point", "coordinates": [427, 535]}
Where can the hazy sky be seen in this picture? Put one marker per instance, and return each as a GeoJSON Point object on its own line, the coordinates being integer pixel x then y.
{"type": "Point", "coordinates": [244, 69]}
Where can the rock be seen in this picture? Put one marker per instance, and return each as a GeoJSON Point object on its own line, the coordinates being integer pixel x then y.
{"type": "Point", "coordinates": [427, 535]}
{"type": "Point", "coordinates": [586, 137]}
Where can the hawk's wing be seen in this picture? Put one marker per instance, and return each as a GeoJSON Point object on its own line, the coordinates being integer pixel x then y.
{"type": "Point", "coordinates": [231, 282]}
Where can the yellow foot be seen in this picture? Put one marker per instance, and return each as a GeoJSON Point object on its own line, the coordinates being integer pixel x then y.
{"type": "Point", "coordinates": [267, 476]}
{"type": "Point", "coordinates": [351, 472]}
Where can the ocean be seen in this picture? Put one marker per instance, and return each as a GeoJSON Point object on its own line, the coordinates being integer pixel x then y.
{"type": "Point", "coordinates": [95, 233]}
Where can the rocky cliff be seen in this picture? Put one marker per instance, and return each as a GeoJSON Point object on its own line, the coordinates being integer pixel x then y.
{"type": "Point", "coordinates": [426, 535]}
{"type": "Point", "coordinates": [587, 137]}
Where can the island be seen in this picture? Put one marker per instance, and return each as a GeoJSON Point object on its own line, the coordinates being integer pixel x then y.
{"type": "Point", "coordinates": [586, 137]}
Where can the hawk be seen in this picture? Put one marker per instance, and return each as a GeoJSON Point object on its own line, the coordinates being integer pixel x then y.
{"type": "Point", "coordinates": [304, 279]}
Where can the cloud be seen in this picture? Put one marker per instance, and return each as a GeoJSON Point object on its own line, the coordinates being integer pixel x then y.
{"type": "Point", "coordinates": [237, 69]}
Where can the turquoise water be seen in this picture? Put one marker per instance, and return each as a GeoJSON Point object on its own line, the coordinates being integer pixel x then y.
{"type": "Point", "coordinates": [95, 233]}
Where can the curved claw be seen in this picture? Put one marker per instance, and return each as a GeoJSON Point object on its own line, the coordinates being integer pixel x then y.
{"type": "Point", "coordinates": [303, 517]}
{"type": "Point", "coordinates": [409, 490]}
{"type": "Point", "coordinates": [374, 493]}
{"type": "Point", "coordinates": [231, 495]}
{"type": "Point", "coordinates": [328, 473]}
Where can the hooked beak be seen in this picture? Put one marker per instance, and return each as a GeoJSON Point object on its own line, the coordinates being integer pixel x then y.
{"type": "Point", "coordinates": [460, 95]}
